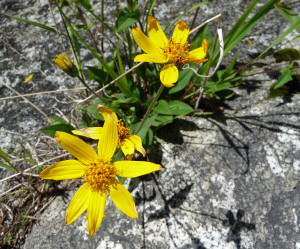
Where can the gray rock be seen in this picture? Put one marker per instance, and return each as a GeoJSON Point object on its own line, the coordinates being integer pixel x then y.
{"type": "Point", "coordinates": [228, 181]}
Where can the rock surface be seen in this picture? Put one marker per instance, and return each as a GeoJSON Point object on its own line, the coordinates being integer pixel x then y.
{"type": "Point", "coordinates": [228, 181]}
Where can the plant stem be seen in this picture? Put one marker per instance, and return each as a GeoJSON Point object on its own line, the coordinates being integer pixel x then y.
{"type": "Point", "coordinates": [209, 66]}
{"type": "Point", "coordinates": [160, 90]}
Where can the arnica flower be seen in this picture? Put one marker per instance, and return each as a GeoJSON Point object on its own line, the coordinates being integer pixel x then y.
{"type": "Point", "coordinates": [99, 176]}
{"type": "Point", "coordinates": [173, 52]}
{"type": "Point", "coordinates": [128, 142]}
{"type": "Point", "coordinates": [64, 63]}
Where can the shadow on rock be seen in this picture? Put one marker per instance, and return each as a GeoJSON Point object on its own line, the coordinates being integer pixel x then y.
{"type": "Point", "coordinates": [236, 226]}
{"type": "Point", "coordinates": [171, 132]}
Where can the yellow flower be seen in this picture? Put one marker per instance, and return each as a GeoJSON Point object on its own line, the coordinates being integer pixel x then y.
{"type": "Point", "coordinates": [99, 176]}
{"type": "Point", "coordinates": [128, 142]}
{"type": "Point", "coordinates": [64, 63]}
{"type": "Point", "coordinates": [173, 52]}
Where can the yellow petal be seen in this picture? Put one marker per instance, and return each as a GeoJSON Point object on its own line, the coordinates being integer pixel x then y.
{"type": "Point", "coordinates": [95, 211]}
{"type": "Point", "coordinates": [135, 168]}
{"type": "Point", "coordinates": [145, 43]}
{"type": "Point", "coordinates": [108, 140]}
{"type": "Point", "coordinates": [122, 199]}
{"type": "Point", "coordinates": [181, 32]}
{"type": "Point", "coordinates": [198, 54]}
{"type": "Point", "coordinates": [169, 75]}
{"type": "Point", "coordinates": [64, 170]}
{"type": "Point", "coordinates": [91, 132]}
{"type": "Point", "coordinates": [75, 146]}
{"type": "Point", "coordinates": [205, 45]}
{"type": "Point", "coordinates": [127, 147]}
{"type": "Point", "coordinates": [78, 204]}
{"type": "Point", "coordinates": [151, 58]}
{"type": "Point", "coordinates": [156, 33]}
{"type": "Point", "coordinates": [129, 157]}
{"type": "Point", "coordinates": [106, 112]}
{"type": "Point", "coordinates": [29, 78]}
{"type": "Point", "coordinates": [137, 141]}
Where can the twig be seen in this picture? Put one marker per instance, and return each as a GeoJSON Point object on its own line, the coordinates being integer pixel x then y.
{"type": "Point", "coordinates": [194, 19]}
{"type": "Point", "coordinates": [56, 26]}
{"type": "Point", "coordinates": [46, 92]}
{"type": "Point", "coordinates": [206, 22]}
{"type": "Point", "coordinates": [33, 218]}
{"type": "Point", "coordinates": [219, 33]}
{"type": "Point", "coordinates": [11, 189]}
{"type": "Point", "coordinates": [46, 205]}
{"type": "Point", "coordinates": [112, 82]}
{"type": "Point", "coordinates": [29, 174]}
{"type": "Point", "coordinates": [7, 44]}
{"type": "Point", "coordinates": [35, 166]}
{"type": "Point", "coordinates": [160, 90]}
{"type": "Point", "coordinates": [28, 101]}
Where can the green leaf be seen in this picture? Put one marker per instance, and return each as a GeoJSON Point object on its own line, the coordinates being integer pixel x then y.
{"type": "Point", "coordinates": [125, 19]}
{"type": "Point", "coordinates": [57, 120]}
{"type": "Point", "coordinates": [162, 107]}
{"type": "Point", "coordinates": [25, 158]}
{"type": "Point", "coordinates": [147, 141]}
{"type": "Point", "coordinates": [285, 77]}
{"type": "Point", "coordinates": [92, 109]}
{"type": "Point", "coordinates": [148, 123]}
{"type": "Point", "coordinates": [179, 108]}
{"type": "Point", "coordinates": [238, 32]}
{"type": "Point", "coordinates": [213, 87]}
{"type": "Point", "coordinates": [97, 74]}
{"type": "Point", "coordinates": [32, 23]}
{"type": "Point", "coordinates": [162, 120]}
{"type": "Point", "coordinates": [237, 26]}
{"type": "Point", "coordinates": [4, 156]}
{"type": "Point", "coordinates": [51, 130]}
{"type": "Point", "coordinates": [285, 33]}
{"type": "Point", "coordinates": [203, 33]}
{"type": "Point", "coordinates": [120, 63]}
{"type": "Point", "coordinates": [9, 167]}
{"type": "Point", "coordinates": [281, 91]}
{"type": "Point", "coordinates": [121, 83]}
{"type": "Point", "coordinates": [186, 12]}
{"type": "Point", "coordinates": [85, 3]}
{"type": "Point", "coordinates": [183, 79]}
{"type": "Point", "coordinates": [287, 54]}
{"type": "Point", "coordinates": [27, 152]}
{"type": "Point", "coordinates": [289, 14]}
{"type": "Point", "coordinates": [224, 94]}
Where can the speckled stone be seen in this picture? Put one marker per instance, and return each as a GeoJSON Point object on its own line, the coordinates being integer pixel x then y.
{"type": "Point", "coordinates": [228, 181]}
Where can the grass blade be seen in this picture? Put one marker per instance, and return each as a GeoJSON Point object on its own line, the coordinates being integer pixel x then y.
{"type": "Point", "coordinates": [189, 10]}
{"type": "Point", "coordinates": [32, 23]}
{"type": "Point", "coordinates": [9, 167]}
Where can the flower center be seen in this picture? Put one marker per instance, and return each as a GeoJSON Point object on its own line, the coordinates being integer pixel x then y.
{"type": "Point", "coordinates": [176, 52]}
{"type": "Point", "coordinates": [122, 131]}
{"type": "Point", "coordinates": [99, 175]}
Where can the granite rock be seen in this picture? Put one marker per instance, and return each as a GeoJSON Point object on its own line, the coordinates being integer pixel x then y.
{"type": "Point", "coordinates": [228, 181]}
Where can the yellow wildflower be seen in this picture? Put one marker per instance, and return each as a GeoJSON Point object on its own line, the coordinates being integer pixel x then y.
{"type": "Point", "coordinates": [99, 176]}
{"type": "Point", "coordinates": [173, 52]}
{"type": "Point", "coordinates": [128, 142]}
{"type": "Point", "coordinates": [64, 63]}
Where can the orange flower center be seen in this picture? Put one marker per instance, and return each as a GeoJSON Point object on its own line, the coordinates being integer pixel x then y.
{"type": "Point", "coordinates": [176, 52]}
{"type": "Point", "coordinates": [122, 131]}
{"type": "Point", "coordinates": [99, 175]}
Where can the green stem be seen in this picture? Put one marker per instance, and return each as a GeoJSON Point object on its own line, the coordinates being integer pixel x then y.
{"type": "Point", "coordinates": [160, 90]}
{"type": "Point", "coordinates": [87, 86]}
